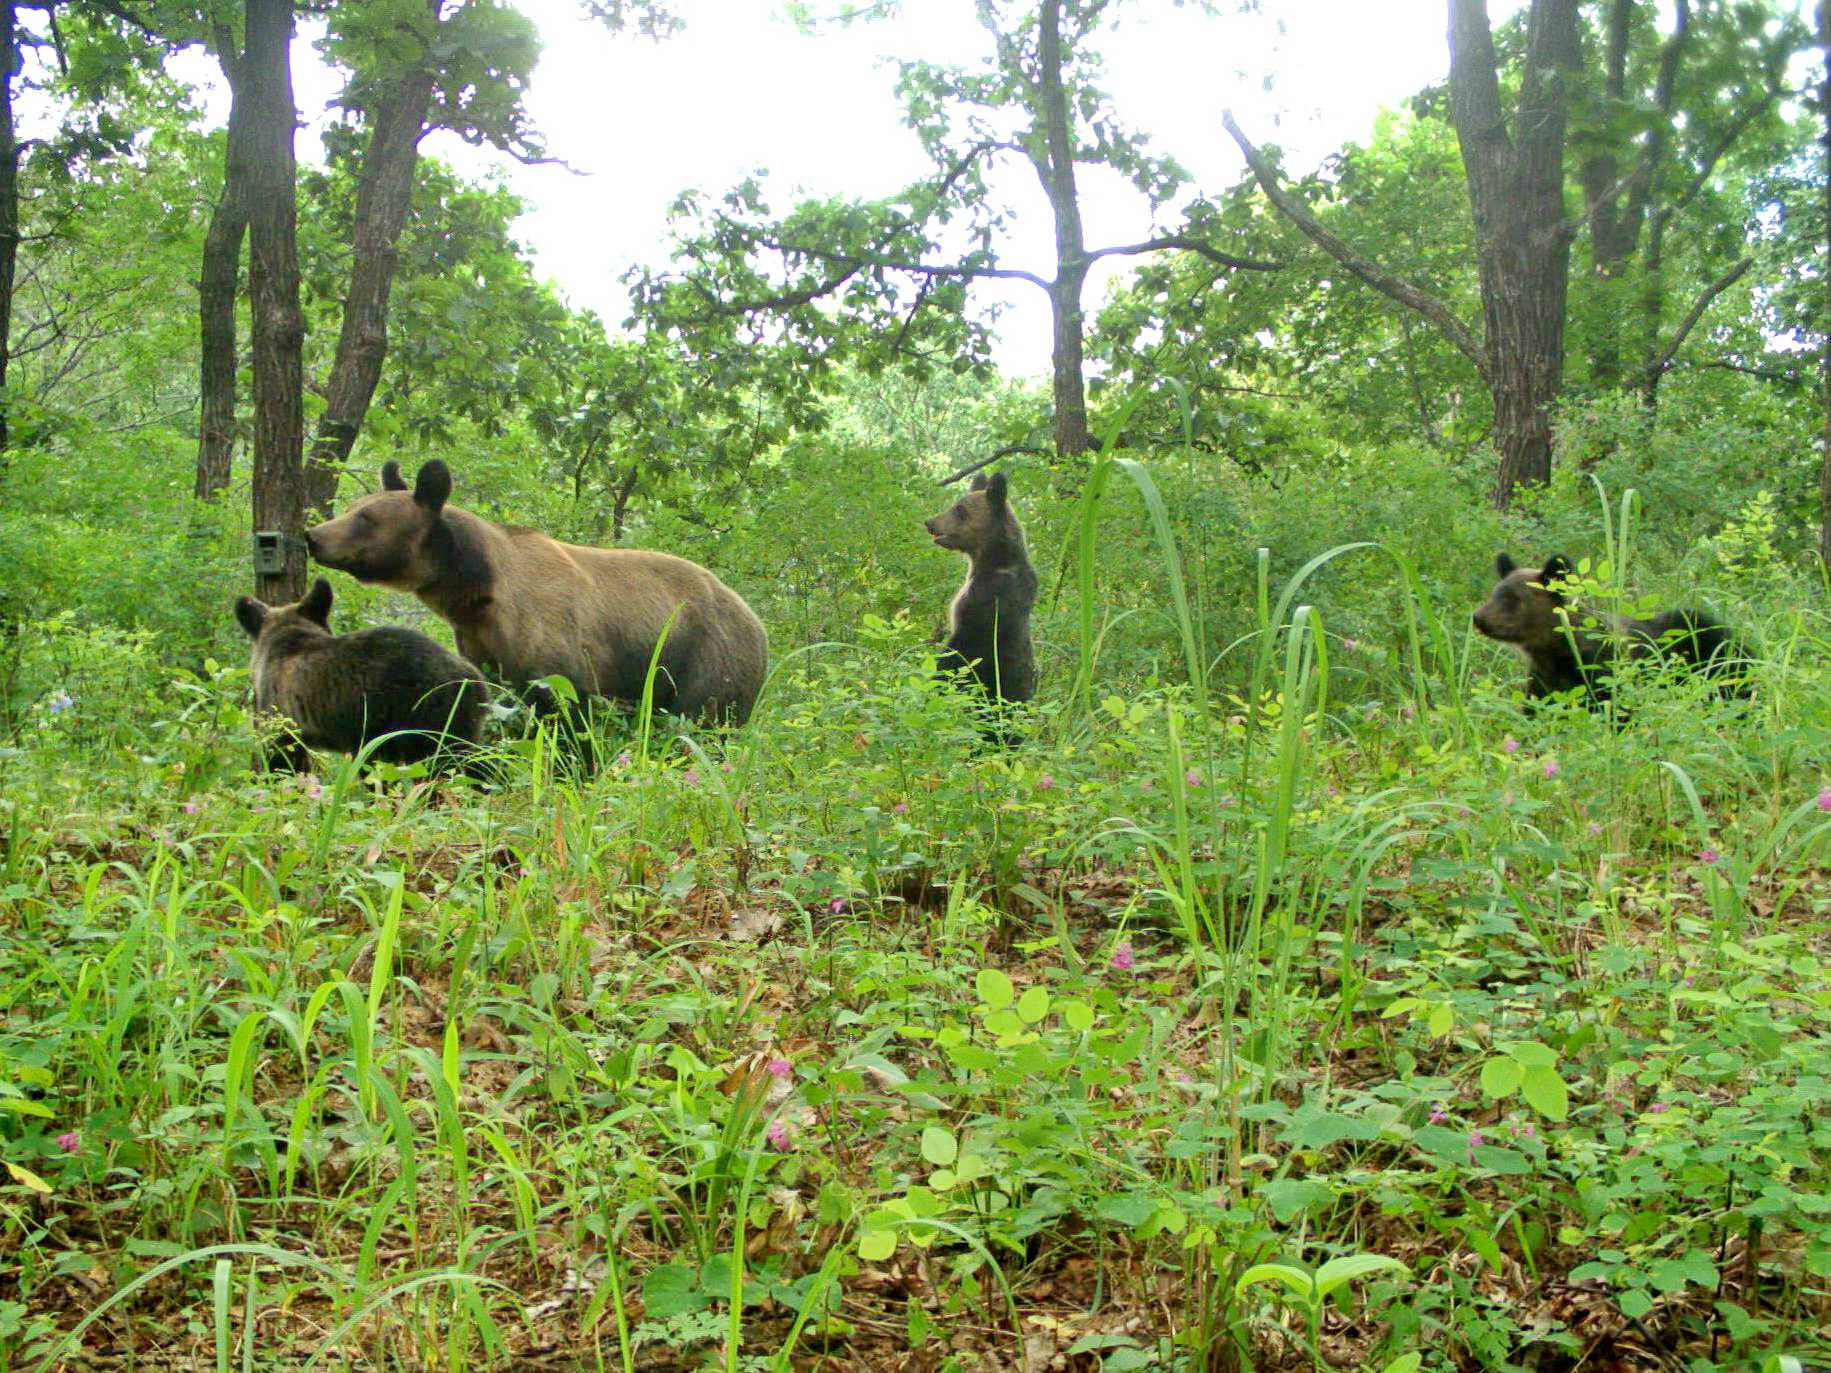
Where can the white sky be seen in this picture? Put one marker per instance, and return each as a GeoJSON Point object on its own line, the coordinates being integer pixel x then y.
{"type": "Point", "coordinates": [739, 90]}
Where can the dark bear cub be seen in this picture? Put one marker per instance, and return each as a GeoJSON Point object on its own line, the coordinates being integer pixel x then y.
{"type": "Point", "coordinates": [340, 691]}
{"type": "Point", "coordinates": [988, 621]}
{"type": "Point", "coordinates": [1567, 646]}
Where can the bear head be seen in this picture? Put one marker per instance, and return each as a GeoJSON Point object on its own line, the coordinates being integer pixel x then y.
{"type": "Point", "coordinates": [979, 520]}
{"type": "Point", "coordinates": [1524, 607]}
{"type": "Point", "coordinates": [311, 612]}
{"type": "Point", "coordinates": [393, 536]}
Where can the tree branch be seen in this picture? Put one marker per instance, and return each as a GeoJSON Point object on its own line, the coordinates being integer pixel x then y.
{"type": "Point", "coordinates": [1404, 292]}
{"type": "Point", "coordinates": [1662, 364]}
{"type": "Point", "coordinates": [1004, 452]}
{"type": "Point", "coordinates": [1765, 373]}
{"type": "Point", "coordinates": [1191, 245]}
{"type": "Point", "coordinates": [924, 269]}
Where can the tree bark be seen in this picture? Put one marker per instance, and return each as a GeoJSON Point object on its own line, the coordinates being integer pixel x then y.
{"type": "Point", "coordinates": [1824, 114]}
{"type": "Point", "coordinates": [384, 194]}
{"type": "Point", "coordinates": [216, 288]}
{"type": "Point", "coordinates": [9, 205]}
{"type": "Point", "coordinates": [1054, 164]}
{"type": "Point", "coordinates": [273, 290]}
{"type": "Point", "coordinates": [1522, 237]}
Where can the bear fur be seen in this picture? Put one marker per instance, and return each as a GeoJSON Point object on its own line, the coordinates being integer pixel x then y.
{"type": "Point", "coordinates": [1567, 646]}
{"type": "Point", "coordinates": [339, 691]}
{"type": "Point", "coordinates": [988, 621]}
{"type": "Point", "coordinates": [525, 606]}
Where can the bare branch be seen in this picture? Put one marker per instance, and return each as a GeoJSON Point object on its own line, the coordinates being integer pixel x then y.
{"type": "Point", "coordinates": [1765, 373]}
{"type": "Point", "coordinates": [925, 269]}
{"type": "Point", "coordinates": [1191, 245]}
{"type": "Point", "coordinates": [1004, 452]}
{"type": "Point", "coordinates": [1662, 364]}
{"type": "Point", "coordinates": [1411, 296]}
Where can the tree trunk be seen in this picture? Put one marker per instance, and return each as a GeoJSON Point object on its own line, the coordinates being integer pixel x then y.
{"type": "Point", "coordinates": [216, 289]}
{"type": "Point", "coordinates": [9, 206]}
{"type": "Point", "coordinates": [1611, 236]}
{"type": "Point", "coordinates": [1054, 165]}
{"type": "Point", "coordinates": [397, 122]}
{"type": "Point", "coordinates": [1824, 114]}
{"type": "Point", "coordinates": [1516, 191]}
{"type": "Point", "coordinates": [273, 291]}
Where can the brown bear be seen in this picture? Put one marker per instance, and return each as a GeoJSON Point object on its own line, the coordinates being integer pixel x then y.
{"type": "Point", "coordinates": [1568, 646]}
{"type": "Point", "coordinates": [340, 691]}
{"type": "Point", "coordinates": [525, 606]}
{"type": "Point", "coordinates": [988, 621]}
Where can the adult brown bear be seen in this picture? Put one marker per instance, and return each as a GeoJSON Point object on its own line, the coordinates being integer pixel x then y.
{"type": "Point", "coordinates": [525, 606]}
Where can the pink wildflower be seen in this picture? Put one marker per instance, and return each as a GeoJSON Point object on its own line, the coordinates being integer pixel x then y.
{"type": "Point", "coordinates": [191, 805]}
{"type": "Point", "coordinates": [313, 787]}
{"type": "Point", "coordinates": [1595, 828]}
{"type": "Point", "coordinates": [836, 905]}
{"type": "Point", "coordinates": [1659, 1108]}
{"type": "Point", "coordinates": [1438, 1115]}
{"type": "Point", "coordinates": [1192, 778]}
{"type": "Point", "coordinates": [70, 1141]}
{"type": "Point", "coordinates": [1551, 768]}
{"type": "Point", "coordinates": [1509, 745]}
{"type": "Point", "coordinates": [1709, 856]}
{"type": "Point", "coordinates": [1529, 1130]}
{"type": "Point", "coordinates": [1477, 1139]}
{"type": "Point", "coordinates": [781, 1067]}
{"type": "Point", "coordinates": [1045, 782]}
{"type": "Point", "coordinates": [1824, 798]}
{"type": "Point", "coordinates": [1122, 957]}
{"type": "Point", "coordinates": [622, 759]}
{"type": "Point", "coordinates": [777, 1133]}
{"type": "Point", "coordinates": [1349, 645]}
{"type": "Point", "coordinates": [1408, 711]}
{"type": "Point", "coordinates": [900, 808]}
{"type": "Point", "coordinates": [691, 778]}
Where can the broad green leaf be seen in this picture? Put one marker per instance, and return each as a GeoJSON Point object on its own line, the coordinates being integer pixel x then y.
{"type": "Point", "coordinates": [1295, 1279]}
{"type": "Point", "coordinates": [671, 1290]}
{"type": "Point", "coordinates": [1530, 1054]}
{"type": "Point", "coordinates": [939, 1147]}
{"type": "Point", "coordinates": [874, 1246]}
{"type": "Point", "coordinates": [1546, 1093]}
{"type": "Point", "coordinates": [25, 1177]}
{"type": "Point", "coordinates": [1336, 1272]}
{"type": "Point", "coordinates": [994, 988]}
{"type": "Point", "coordinates": [1500, 1077]}
{"type": "Point", "coordinates": [1033, 1005]}
{"type": "Point", "coordinates": [1076, 1015]}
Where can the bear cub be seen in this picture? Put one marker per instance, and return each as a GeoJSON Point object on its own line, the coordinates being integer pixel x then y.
{"type": "Point", "coordinates": [1567, 646]}
{"type": "Point", "coordinates": [988, 621]}
{"type": "Point", "coordinates": [339, 691]}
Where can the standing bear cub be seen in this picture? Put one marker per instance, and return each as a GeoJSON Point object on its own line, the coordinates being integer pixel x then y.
{"type": "Point", "coordinates": [339, 692]}
{"type": "Point", "coordinates": [988, 621]}
{"type": "Point", "coordinates": [525, 606]}
{"type": "Point", "coordinates": [1568, 646]}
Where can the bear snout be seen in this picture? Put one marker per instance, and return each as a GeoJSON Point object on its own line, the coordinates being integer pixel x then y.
{"type": "Point", "coordinates": [311, 544]}
{"type": "Point", "coordinates": [1482, 623]}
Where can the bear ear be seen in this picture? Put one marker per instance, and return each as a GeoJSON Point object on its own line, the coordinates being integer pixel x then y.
{"type": "Point", "coordinates": [433, 485]}
{"type": "Point", "coordinates": [317, 603]}
{"type": "Point", "coordinates": [1556, 569]}
{"type": "Point", "coordinates": [391, 478]}
{"type": "Point", "coordinates": [979, 482]}
{"type": "Point", "coordinates": [251, 615]}
{"type": "Point", "coordinates": [1504, 565]}
{"type": "Point", "coordinates": [997, 489]}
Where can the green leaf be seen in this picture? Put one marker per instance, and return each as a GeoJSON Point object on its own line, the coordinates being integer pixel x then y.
{"type": "Point", "coordinates": [1546, 1093]}
{"type": "Point", "coordinates": [874, 1246]}
{"type": "Point", "coordinates": [1509, 1162]}
{"type": "Point", "coordinates": [1033, 1005]}
{"type": "Point", "coordinates": [1405, 1363]}
{"type": "Point", "coordinates": [671, 1290]}
{"type": "Point", "coordinates": [1500, 1077]}
{"type": "Point", "coordinates": [1076, 1015]}
{"type": "Point", "coordinates": [939, 1147]}
{"type": "Point", "coordinates": [1295, 1279]}
{"type": "Point", "coordinates": [1346, 1269]}
{"type": "Point", "coordinates": [994, 988]}
{"type": "Point", "coordinates": [1291, 1197]}
{"type": "Point", "coordinates": [1531, 1054]}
